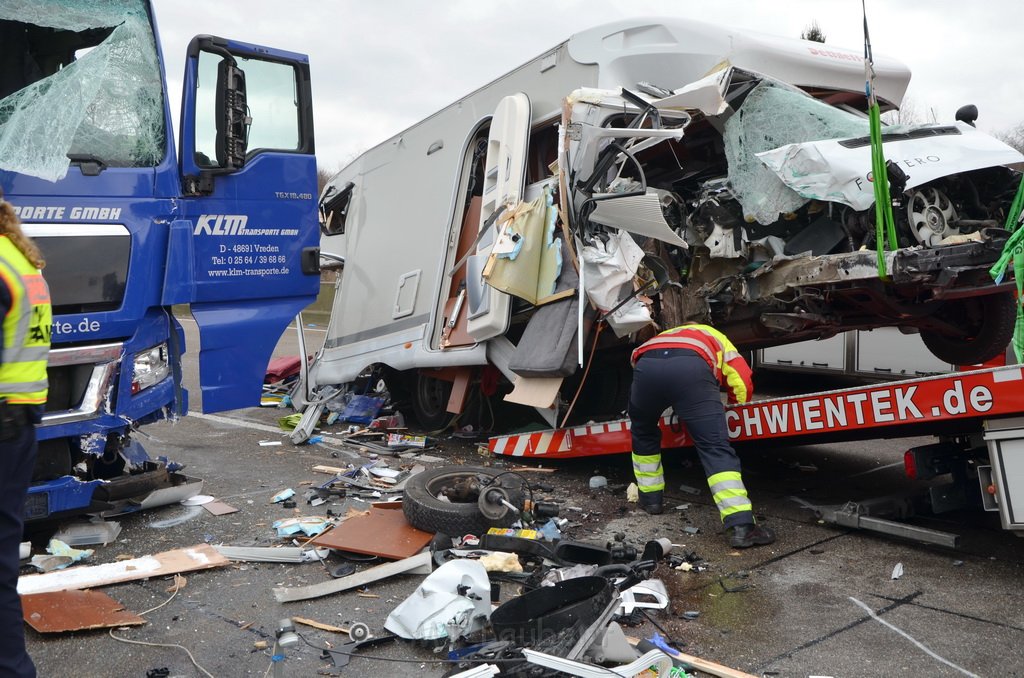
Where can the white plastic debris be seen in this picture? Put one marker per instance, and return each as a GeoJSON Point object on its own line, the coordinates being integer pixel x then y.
{"type": "Point", "coordinates": [897, 571]}
{"type": "Point", "coordinates": [437, 610]}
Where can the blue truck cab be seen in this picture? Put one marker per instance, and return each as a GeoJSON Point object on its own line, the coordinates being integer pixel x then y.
{"type": "Point", "coordinates": [131, 227]}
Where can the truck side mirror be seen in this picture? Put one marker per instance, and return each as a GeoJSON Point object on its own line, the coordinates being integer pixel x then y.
{"type": "Point", "coordinates": [968, 114]}
{"type": "Point", "coordinates": [232, 116]}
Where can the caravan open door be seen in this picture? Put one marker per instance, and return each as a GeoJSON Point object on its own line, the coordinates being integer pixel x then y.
{"type": "Point", "coordinates": [504, 177]}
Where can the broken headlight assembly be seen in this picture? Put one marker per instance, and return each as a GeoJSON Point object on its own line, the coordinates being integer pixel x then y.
{"type": "Point", "coordinates": [150, 367]}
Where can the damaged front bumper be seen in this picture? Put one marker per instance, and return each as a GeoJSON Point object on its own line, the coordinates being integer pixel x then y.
{"type": "Point", "coordinates": [156, 484]}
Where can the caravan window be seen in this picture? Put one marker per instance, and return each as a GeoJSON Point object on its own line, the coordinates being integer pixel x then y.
{"type": "Point", "coordinates": [334, 208]}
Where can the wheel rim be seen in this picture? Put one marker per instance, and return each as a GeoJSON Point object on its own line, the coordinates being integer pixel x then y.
{"type": "Point", "coordinates": [931, 215]}
{"type": "Point", "coordinates": [432, 396]}
{"type": "Point", "coordinates": [435, 485]}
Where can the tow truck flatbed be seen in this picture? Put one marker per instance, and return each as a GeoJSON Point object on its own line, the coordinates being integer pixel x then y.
{"type": "Point", "coordinates": [948, 404]}
{"type": "Point", "coordinates": [978, 417]}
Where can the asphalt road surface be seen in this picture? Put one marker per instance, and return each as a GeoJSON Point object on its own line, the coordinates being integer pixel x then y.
{"type": "Point", "coordinates": [819, 602]}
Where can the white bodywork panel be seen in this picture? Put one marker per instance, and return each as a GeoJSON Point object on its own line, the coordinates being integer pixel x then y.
{"type": "Point", "coordinates": [826, 170]}
{"type": "Point", "coordinates": [677, 52]}
{"type": "Point", "coordinates": [504, 176]}
{"type": "Point", "coordinates": [640, 214]}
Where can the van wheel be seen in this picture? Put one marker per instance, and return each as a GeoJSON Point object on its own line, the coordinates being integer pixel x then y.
{"type": "Point", "coordinates": [430, 401]}
{"type": "Point", "coordinates": [987, 327]}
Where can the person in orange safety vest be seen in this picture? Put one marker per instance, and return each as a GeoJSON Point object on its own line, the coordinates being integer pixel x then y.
{"type": "Point", "coordinates": [685, 368]}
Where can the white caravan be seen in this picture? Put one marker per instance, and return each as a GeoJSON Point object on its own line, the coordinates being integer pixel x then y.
{"type": "Point", "coordinates": [663, 170]}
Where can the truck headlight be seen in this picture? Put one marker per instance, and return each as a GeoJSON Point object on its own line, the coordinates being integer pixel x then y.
{"type": "Point", "coordinates": [150, 367]}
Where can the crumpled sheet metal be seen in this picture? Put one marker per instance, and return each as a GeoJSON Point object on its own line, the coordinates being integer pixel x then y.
{"type": "Point", "coordinates": [437, 610]}
{"type": "Point", "coordinates": [108, 103]}
{"type": "Point", "coordinates": [827, 170]}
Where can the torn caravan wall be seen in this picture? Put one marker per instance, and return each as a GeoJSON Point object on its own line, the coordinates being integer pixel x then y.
{"type": "Point", "coordinates": [610, 265]}
{"type": "Point", "coordinates": [108, 103]}
{"type": "Point", "coordinates": [588, 136]}
{"type": "Point", "coordinates": [771, 116]}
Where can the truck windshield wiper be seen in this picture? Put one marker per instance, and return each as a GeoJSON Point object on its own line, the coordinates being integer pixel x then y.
{"type": "Point", "coordinates": [90, 164]}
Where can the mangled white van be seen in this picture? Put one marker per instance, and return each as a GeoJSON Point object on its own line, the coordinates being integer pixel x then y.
{"type": "Point", "coordinates": [637, 176]}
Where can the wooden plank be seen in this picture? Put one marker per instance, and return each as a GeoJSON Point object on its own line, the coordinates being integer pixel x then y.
{"type": "Point", "coordinates": [319, 625]}
{"type": "Point", "coordinates": [419, 564]}
{"type": "Point", "coordinates": [61, 611]}
{"type": "Point", "coordinates": [199, 557]}
{"type": "Point", "coordinates": [700, 664]}
{"type": "Point", "coordinates": [333, 470]}
{"type": "Point", "coordinates": [460, 391]}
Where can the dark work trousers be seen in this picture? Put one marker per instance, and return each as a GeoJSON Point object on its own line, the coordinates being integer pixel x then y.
{"type": "Point", "coordinates": [17, 458]}
{"type": "Point", "coordinates": [682, 379]}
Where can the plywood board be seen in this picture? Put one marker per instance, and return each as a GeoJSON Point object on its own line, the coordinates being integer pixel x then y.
{"type": "Point", "coordinates": [199, 557]}
{"type": "Point", "coordinates": [383, 531]}
{"type": "Point", "coordinates": [219, 508]}
{"type": "Point", "coordinates": [538, 392]}
{"type": "Point", "coordinates": [60, 611]}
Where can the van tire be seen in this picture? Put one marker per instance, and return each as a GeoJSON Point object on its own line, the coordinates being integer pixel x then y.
{"type": "Point", "coordinates": [426, 512]}
{"type": "Point", "coordinates": [430, 401]}
{"type": "Point", "coordinates": [989, 321]}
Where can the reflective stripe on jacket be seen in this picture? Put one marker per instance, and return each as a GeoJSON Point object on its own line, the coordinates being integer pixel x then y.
{"type": "Point", "coordinates": [729, 367]}
{"type": "Point", "coordinates": [26, 329]}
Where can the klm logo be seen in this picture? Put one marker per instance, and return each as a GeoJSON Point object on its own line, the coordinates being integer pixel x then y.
{"type": "Point", "coordinates": [221, 224]}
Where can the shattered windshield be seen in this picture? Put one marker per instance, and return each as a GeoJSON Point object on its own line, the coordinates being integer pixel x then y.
{"type": "Point", "coordinates": [771, 116]}
{"type": "Point", "coordinates": [79, 78]}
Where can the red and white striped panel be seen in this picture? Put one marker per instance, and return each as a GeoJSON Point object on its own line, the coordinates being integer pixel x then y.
{"type": "Point", "coordinates": [914, 405]}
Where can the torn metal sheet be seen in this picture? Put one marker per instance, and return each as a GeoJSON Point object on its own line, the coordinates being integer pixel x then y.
{"type": "Point", "coordinates": [84, 533]}
{"type": "Point", "coordinates": [706, 95]}
{"type": "Point", "coordinates": [609, 269]}
{"type": "Point", "coordinates": [271, 554]}
{"type": "Point", "coordinates": [63, 611]}
{"type": "Point", "coordinates": [164, 496]}
{"type": "Point", "coordinates": [419, 564]}
{"type": "Point", "coordinates": [452, 602]}
{"type": "Point", "coordinates": [640, 214]}
{"type": "Point", "coordinates": [834, 170]}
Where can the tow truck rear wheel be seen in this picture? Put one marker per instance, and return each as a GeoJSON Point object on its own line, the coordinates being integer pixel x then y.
{"type": "Point", "coordinates": [986, 325]}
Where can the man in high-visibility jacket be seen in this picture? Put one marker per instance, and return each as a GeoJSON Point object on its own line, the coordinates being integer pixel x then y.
{"type": "Point", "coordinates": [25, 339]}
{"type": "Point", "coordinates": [685, 368]}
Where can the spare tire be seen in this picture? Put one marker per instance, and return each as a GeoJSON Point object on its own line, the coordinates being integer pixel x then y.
{"type": "Point", "coordinates": [426, 512]}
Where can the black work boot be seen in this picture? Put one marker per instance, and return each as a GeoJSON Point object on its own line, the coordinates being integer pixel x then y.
{"type": "Point", "coordinates": [652, 502]}
{"type": "Point", "coordinates": [749, 534]}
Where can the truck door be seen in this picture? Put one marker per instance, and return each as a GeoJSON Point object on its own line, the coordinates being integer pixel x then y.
{"type": "Point", "coordinates": [504, 176]}
{"type": "Point", "coordinates": [243, 252]}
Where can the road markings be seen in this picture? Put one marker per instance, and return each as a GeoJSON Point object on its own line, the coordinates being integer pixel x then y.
{"type": "Point", "coordinates": [237, 422]}
{"type": "Point", "coordinates": [906, 635]}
